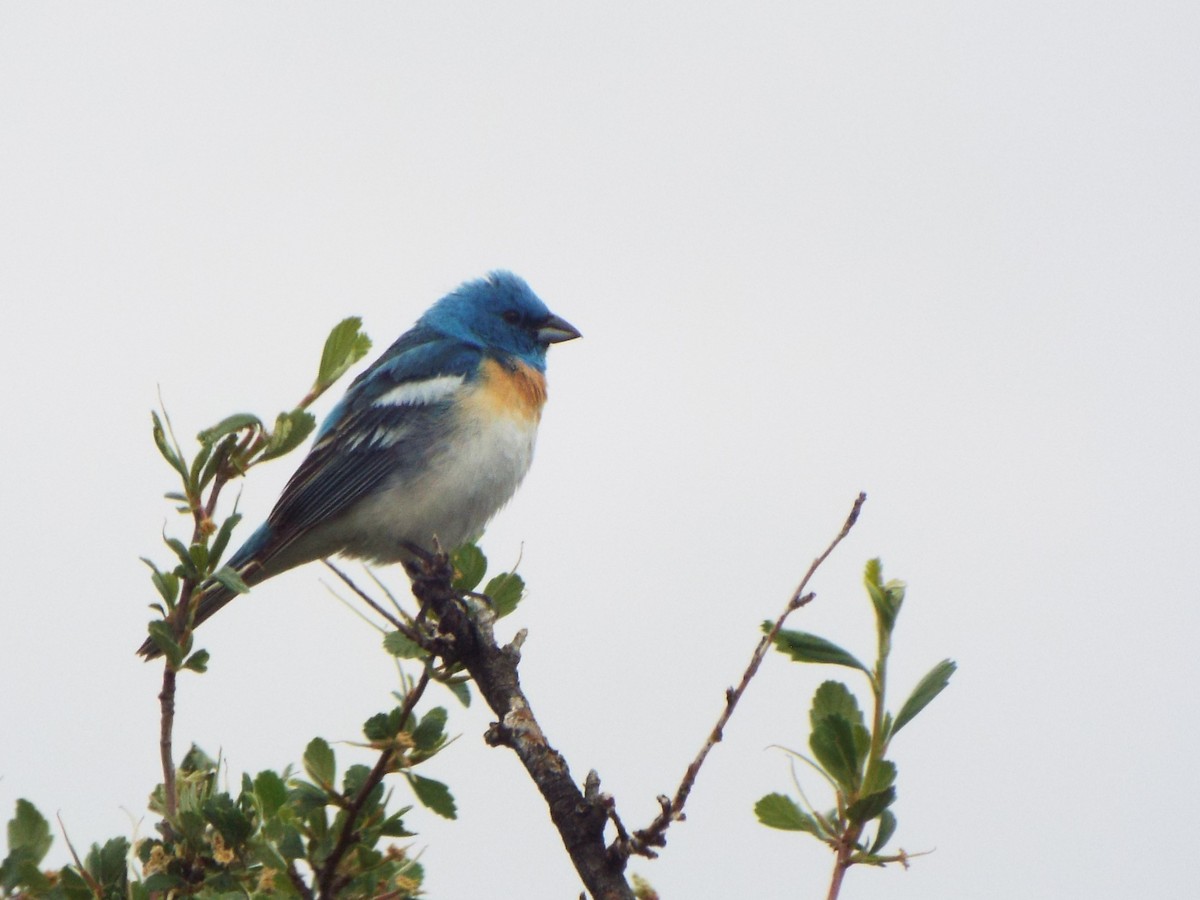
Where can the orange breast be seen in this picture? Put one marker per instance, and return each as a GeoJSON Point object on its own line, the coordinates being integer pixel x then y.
{"type": "Point", "coordinates": [519, 392]}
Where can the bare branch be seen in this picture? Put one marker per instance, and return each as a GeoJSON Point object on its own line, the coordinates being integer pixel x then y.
{"type": "Point", "coordinates": [654, 835]}
{"type": "Point", "coordinates": [396, 623]}
{"type": "Point", "coordinates": [166, 704]}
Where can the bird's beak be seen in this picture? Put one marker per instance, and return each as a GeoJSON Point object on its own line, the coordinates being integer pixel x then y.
{"type": "Point", "coordinates": [554, 330]}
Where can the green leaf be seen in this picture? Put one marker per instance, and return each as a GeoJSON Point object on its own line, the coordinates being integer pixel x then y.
{"type": "Point", "coordinates": [230, 578]}
{"type": "Point", "coordinates": [73, 885]}
{"type": "Point", "coordinates": [221, 541]}
{"type": "Point", "coordinates": [873, 572]}
{"type": "Point", "coordinates": [290, 844]}
{"type": "Point", "coordinates": [186, 568]}
{"type": "Point", "coordinates": [217, 461]}
{"type": "Point", "coordinates": [168, 452]}
{"type": "Point", "coordinates": [393, 825]}
{"type": "Point", "coordinates": [470, 565]}
{"type": "Point", "coordinates": [166, 583]}
{"type": "Point", "coordinates": [400, 646]}
{"type": "Point", "coordinates": [270, 792]}
{"type": "Point", "coordinates": [164, 639]}
{"type": "Point", "coordinates": [354, 779]}
{"type": "Point", "coordinates": [353, 783]}
{"type": "Point", "coordinates": [192, 825]}
{"type": "Point", "coordinates": [345, 346]}
{"type": "Point", "coordinates": [781, 811]}
{"type": "Point", "coordinates": [198, 553]}
{"type": "Point", "coordinates": [221, 812]}
{"type": "Point", "coordinates": [505, 591]}
{"type": "Point", "coordinates": [887, 827]}
{"type": "Point", "coordinates": [833, 698]}
{"type": "Point", "coordinates": [202, 459]}
{"type": "Point", "coordinates": [319, 763]}
{"type": "Point", "coordinates": [306, 798]}
{"type": "Point", "coordinates": [929, 687]}
{"type": "Point", "coordinates": [18, 871]}
{"type": "Point", "coordinates": [276, 882]}
{"type": "Point", "coordinates": [804, 647]}
{"type": "Point", "coordinates": [163, 881]}
{"type": "Point", "coordinates": [839, 729]}
{"type": "Point", "coordinates": [291, 428]}
{"type": "Point", "coordinates": [197, 662]}
{"type": "Point", "coordinates": [872, 805]}
{"type": "Point", "coordinates": [381, 726]}
{"type": "Point", "coordinates": [461, 691]}
{"type": "Point", "coordinates": [886, 598]}
{"type": "Point", "coordinates": [196, 760]}
{"type": "Point", "coordinates": [834, 745]}
{"type": "Point", "coordinates": [107, 864]}
{"type": "Point", "coordinates": [434, 795]}
{"type": "Point", "coordinates": [29, 832]}
{"type": "Point", "coordinates": [879, 777]}
{"type": "Point", "coordinates": [228, 425]}
{"type": "Point", "coordinates": [431, 731]}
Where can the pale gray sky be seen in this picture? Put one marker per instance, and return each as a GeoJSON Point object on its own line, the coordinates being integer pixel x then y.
{"type": "Point", "coordinates": [943, 253]}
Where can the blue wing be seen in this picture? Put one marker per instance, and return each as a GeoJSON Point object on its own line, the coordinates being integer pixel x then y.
{"type": "Point", "coordinates": [365, 442]}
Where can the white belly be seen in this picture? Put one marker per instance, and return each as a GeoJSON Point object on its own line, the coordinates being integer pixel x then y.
{"type": "Point", "coordinates": [464, 485]}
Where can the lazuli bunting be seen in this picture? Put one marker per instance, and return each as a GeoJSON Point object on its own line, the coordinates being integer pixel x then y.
{"type": "Point", "coordinates": [431, 440]}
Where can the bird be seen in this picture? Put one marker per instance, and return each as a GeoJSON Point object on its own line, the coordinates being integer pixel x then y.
{"type": "Point", "coordinates": [426, 446]}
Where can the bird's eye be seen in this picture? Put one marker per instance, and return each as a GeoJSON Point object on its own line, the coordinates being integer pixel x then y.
{"type": "Point", "coordinates": [512, 317]}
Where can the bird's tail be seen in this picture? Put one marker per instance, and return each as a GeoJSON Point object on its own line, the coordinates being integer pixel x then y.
{"type": "Point", "coordinates": [213, 596]}
{"type": "Point", "coordinates": [249, 562]}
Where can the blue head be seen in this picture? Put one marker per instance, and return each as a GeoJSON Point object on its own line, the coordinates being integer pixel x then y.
{"type": "Point", "coordinates": [502, 314]}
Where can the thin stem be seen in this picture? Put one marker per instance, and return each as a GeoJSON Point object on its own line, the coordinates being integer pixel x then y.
{"type": "Point", "coordinates": [839, 872]}
{"type": "Point", "coordinates": [326, 884]}
{"type": "Point", "coordinates": [654, 835]}
{"type": "Point", "coordinates": [879, 741]}
{"type": "Point", "coordinates": [370, 601]}
{"type": "Point", "coordinates": [202, 513]}
{"type": "Point", "coordinates": [166, 701]}
{"type": "Point", "coordinates": [845, 849]}
{"type": "Point", "coordinates": [166, 697]}
{"type": "Point", "coordinates": [87, 876]}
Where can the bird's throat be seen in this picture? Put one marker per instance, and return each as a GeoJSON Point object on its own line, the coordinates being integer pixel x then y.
{"type": "Point", "coordinates": [518, 391]}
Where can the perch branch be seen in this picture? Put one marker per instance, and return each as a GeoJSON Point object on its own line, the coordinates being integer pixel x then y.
{"type": "Point", "coordinates": [579, 819]}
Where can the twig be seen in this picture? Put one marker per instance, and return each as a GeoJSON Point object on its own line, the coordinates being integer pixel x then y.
{"type": "Point", "coordinates": [166, 703]}
{"type": "Point", "coordinates": [654, 835]}
{"type": "Point", "coordinates": [387, 593]}
{"type": "Point", "coordinates": [403, 627]}
{"type": "Point", "coordinates": [91, 882]}
{"type": "Point", "coordinates": [202, 526]}
{"type": "Point", "coordinates": [183, 620]}
{"type": "Point", "coordinates": [579, 819]}
{"type": "Point", "coordinates": [298, 881]}
{"type": "Point", "coordinates": [236, 461]}
{"type": "Point", "coordinates": [845, 848]}
{"type": "Point", "coordinates": [326, 877]}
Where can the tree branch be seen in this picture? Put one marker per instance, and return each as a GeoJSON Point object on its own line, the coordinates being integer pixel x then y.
{"type": "Point", "coordinates": [366, 598]}
{"type": "Point", "coordinates": [579, 819]}
{"type": "Point", "coordinates": [327, 877]}
{"type": "Point", "coordinates": [166, 704]}
{"type": "Point", "coordinates": [654, 835]}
